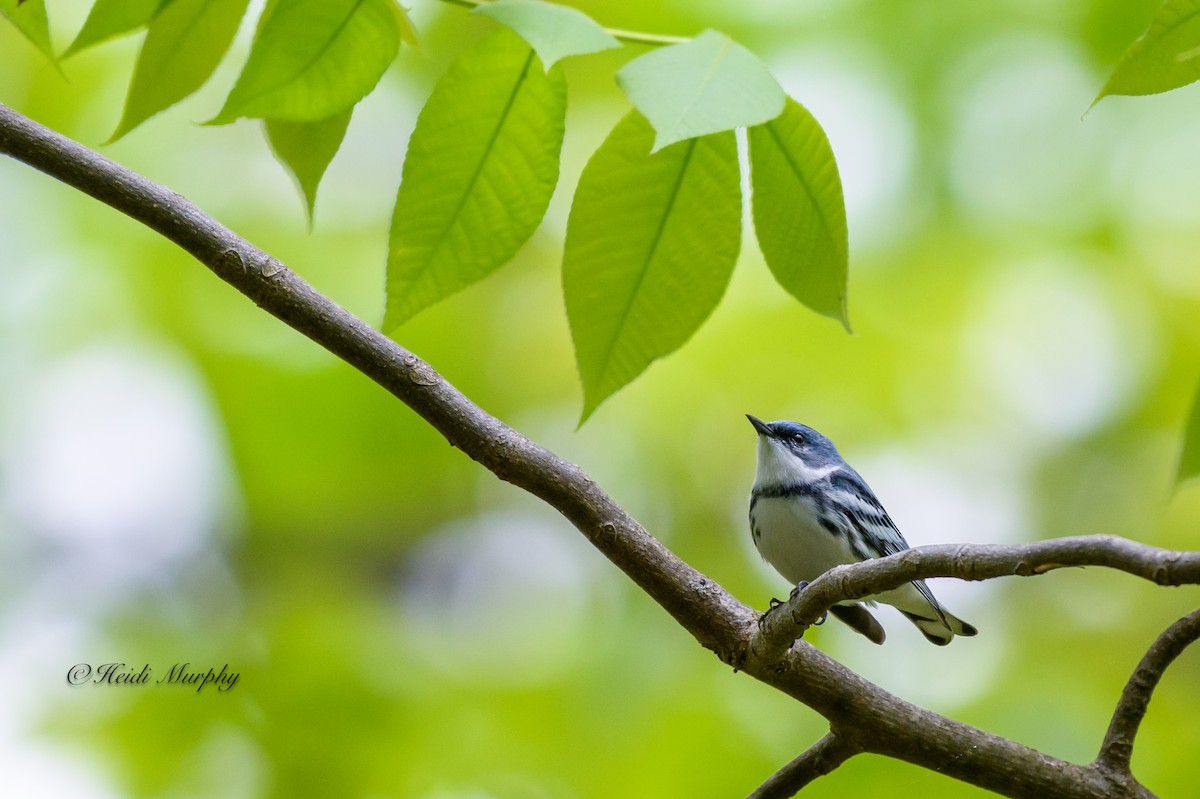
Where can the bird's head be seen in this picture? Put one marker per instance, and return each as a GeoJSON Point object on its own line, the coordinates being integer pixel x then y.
{"type": "Point", "coordinates": [792, 453]}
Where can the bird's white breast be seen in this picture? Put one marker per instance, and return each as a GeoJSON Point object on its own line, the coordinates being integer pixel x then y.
{"type": "Point", "coordinates": [789, 536]}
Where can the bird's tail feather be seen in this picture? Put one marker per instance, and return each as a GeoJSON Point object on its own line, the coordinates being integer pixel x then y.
{"type": "Point", "coordinates": [918, 604]}
{"type": "Point", "coordinates": [941, 631]}
{"type": "Point", "coordinates": [861, 621]}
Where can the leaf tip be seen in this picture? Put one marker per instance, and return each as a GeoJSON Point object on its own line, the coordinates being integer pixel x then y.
{"type": "Point", "coordinates": [408, 31]}
{"type": "Point", "coordinates": [589, 407]}
{"type": "Point", "coordinates": [222, 118]}
{"type": "Point", "coordinates": [1189, 453]}
{"type": "Point", "coordinates": [664, 140]}
{"type": "Point", "coordinates": [123, 127]}
{"type": "Point", "coordinates": [1185, 473]}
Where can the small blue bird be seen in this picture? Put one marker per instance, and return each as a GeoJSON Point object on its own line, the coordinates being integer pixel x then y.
{"type": "Point", "coordinates": [809, 512]}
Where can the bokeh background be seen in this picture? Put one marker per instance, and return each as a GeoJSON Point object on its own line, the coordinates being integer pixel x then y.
{"type": "Point", "coordinates": [182, 479]}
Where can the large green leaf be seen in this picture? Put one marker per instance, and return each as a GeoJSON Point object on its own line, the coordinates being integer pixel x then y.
{"type": "Point", "coordinates": [482, 164]}
{"type": "Point", "coordinates": [1189, 459]}
{"type": "Point", "coordinates": [29, 17]}
{"type": "Point", "coordinates": [306, 148]}
{"type": "Point", "coordinates": [109, 18]}
{"type": "Point", "coordinates": [183, 46]}
{"type": "Point", "coordinates": [1166, 56]}
{"type": "Point", "coordinates": [552, 30]}
{"type": "Point", "coordinates": [651, 244]}
{"type": "Point", "coordinates": [799, 213]}
{"type": "Point", "coordinates": [314, 59]}
{"type": "Point", "coordinates": [706, 85]}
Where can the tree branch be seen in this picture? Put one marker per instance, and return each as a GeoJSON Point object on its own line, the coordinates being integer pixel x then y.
{"type": "Point", "coordinates": [710, 613]}
{"type": "Point", "coordinates": [816, 761]}
{"type": "Point", "coordinates": [969, 562]}
{"type": "Point", "coordinates": [1117, 749]}
{"type": "Point", "coordinates": [880, 722]}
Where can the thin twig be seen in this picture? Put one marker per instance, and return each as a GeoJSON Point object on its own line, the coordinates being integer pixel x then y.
{"type": "Point", "coordinates": [1117, 748]}
{"type": "Point", "coordinates": [816, 761]}
{"type": "Point", "coordinates": [633, 37]}
{"type": "Point", "coordinates": [970, 562]}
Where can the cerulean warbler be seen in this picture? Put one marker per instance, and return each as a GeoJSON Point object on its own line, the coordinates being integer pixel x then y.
{"type": "Point", "coordinates": [809, 512]}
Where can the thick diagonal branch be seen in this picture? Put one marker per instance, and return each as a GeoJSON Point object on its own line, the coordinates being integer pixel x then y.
{"type": "Point", "coordinates": [816, 761]}
{"type": "Point", "coordinates": [711, 615]}
{"type": "Point", "coordinates": [1117, 748]}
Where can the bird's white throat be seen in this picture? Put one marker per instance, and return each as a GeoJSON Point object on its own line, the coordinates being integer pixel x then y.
{"type": "Point", "coordinates": [779, 466]}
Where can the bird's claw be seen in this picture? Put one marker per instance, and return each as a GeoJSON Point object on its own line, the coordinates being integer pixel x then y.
{"type": "Point", "coordinates": [800, 586]}
{"type": "Point", "coordinates": [762, 619]}
{"type": "Point", "coordinates": [775, 603]}
{"type": "Point", "coordinates": [771, 606]}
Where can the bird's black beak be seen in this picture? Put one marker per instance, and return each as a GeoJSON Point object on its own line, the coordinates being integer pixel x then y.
{"type": "Point", "coordinates": [762, 427]}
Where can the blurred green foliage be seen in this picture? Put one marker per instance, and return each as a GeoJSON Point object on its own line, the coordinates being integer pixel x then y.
{"type": "Point", "coordinates": [1024, 289]}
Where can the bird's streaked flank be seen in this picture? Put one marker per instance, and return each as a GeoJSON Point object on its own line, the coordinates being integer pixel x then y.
{"type": "Point", "coordinates": [809, 512]}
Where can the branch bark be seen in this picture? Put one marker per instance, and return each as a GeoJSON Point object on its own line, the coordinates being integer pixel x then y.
{"type": "Point", "coordinates": [878, 721]}
{"type": "Point", "coordinates": [1117, 748]}
{"type": "Point", "coordinates": [818, 760]}
{"type": "Point", "coordinates": [970, 562]}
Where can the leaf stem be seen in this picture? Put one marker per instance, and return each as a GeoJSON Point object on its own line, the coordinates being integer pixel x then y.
{"type": "Point", "coordinates": [633, 37]}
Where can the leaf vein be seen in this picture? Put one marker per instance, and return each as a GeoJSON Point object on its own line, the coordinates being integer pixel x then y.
{"type": "Point", "coordinates": [703, 85]}
{"type": "Point", "coordinates": [299, 73]}
{"type": "Point", "coordinates": [453, 218]}
{"type": "Point", "coordinates": [800, 176]}
{"type": "Point", "coordinates": [645, 268]}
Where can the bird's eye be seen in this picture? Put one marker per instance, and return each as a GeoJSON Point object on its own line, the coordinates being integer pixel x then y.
{"type": "Point", "coordinates": [798, 438]}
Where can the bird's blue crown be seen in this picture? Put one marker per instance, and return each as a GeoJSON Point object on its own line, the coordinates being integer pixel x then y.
{"type": "Point", "coordinates": [806, 443]}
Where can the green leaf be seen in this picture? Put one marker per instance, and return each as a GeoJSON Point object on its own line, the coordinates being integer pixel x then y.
{"type": "Point", "coordinates": [184, 44]}
{"type": "Point", "coordinates": [1189, 459]}
{"type": "Point", "coordinates": [1166, 56]}
{"type": "Point", "coordinates": [29, 17]}
{"type": "Point", "coordinates": [306, 148]}
{"type": "Point", "coordinates": [707, 85]}
{"type": "Point", "coordinates": [408, 33]}
{"type": "Point", "coordinates": [799, 213]}
{"type": "Point", "coordinates": [313, 59]}
{"type": "Point", "coordinates": [651, 244]}
{"type": "Point", "coordinates": [481, 166]}
{"type": "Point", "coordinates": [552, 30]}
{"type": "Point", "coordinates": [110, 18]}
